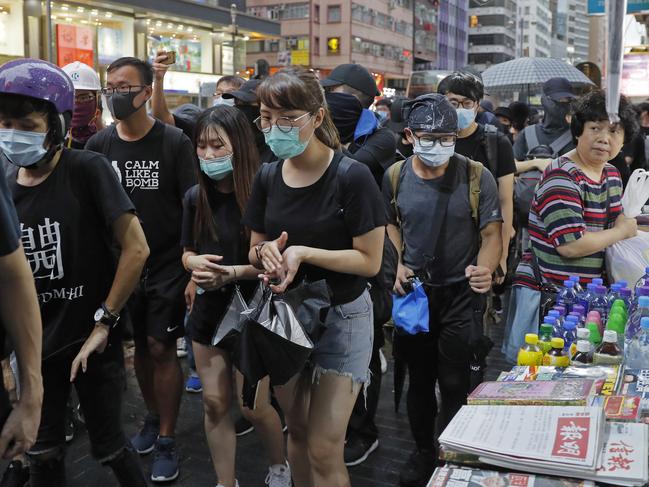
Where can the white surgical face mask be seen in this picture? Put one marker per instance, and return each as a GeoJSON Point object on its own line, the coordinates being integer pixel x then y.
{"type": "Point", "coordinates": [434, 156]}
{"type": "Point", "coordinates": [465, 117]}
{"type": "Point", "coordinates": [223, 101]}
{"type": "Point", "coordinates": [22, 148]}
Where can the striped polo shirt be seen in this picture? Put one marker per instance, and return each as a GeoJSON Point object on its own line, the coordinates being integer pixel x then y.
{"type": "Point", "coordinates": [566, 204]}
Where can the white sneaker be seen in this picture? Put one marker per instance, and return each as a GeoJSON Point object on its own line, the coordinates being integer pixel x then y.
{"type": "Point", "coordinates": [181, 347]}
{"type": "Point", "coordinates": [384, 362]}
{"type": "Point", "coordinates": [279, 476]}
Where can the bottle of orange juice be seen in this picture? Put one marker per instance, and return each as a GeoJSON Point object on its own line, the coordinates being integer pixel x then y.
{"type": "Point", "coordinates": [530, 353]}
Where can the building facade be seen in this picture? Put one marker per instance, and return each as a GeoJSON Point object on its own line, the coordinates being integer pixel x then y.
{"type": "Point", "coordinates": [453, 34]}
{"type": "Point", "coordinates": [570, 30]}
{"type": "Point", "coordinates": [492, 32]}
{"type": "Point", "coordinates": [534, 28]}
{"type": "Point", "coordinates": [322, 35]}
{"type": "Point", "coordinates": [206, 43]}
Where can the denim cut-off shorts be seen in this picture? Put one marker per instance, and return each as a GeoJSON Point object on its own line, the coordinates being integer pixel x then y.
{"type": "Point", "coordinates": [345, 347]}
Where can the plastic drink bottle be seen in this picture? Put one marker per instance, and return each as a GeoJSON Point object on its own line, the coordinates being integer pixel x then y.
{"type": "Point", "coordinates": [598, 281]}
{"type": "Point", "coordinates": [599, 302]}
{"type": "Point", "coordinates": [569, 334]}
{"type": "Point", "coordinates": [622, 283]}
{"type": "Point", "coordinates": [578, 288]}
{"type": "Point", "coordinates": [636, 316]}
{"type": "Point", "coordinates": [613, 294]}
{"type": "Point", "coordinates": [616, 322]}
{"type": "Point", "coordinates": [530, 353]}
{"type": "Point", "coordinates": [595, 336]}
{"type": "Point", "coordinates": [581, 311]}
{"type": "Point", "coordinates": [582, 356]}
{"type": "Point", "coordinates": [637, 351]}
{"type": "Point", "coordinates": [608, 353]}
{"type": "Point", "coordinates": [582, 334]}
{"type": "Point", "coordinates": [587, 296]}
{"type": "Point", "coordinates": [556, 356]}
{"type": "Point", "coordinates": [625, 295]}
{"type": "Point", "coordinates": [643, 281]}
{"type": "Point", "coordinates": [545, 338]}
{"type": "Point", "coordinates": [567, 296]}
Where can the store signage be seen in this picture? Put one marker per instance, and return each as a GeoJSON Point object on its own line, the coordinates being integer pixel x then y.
{"type": "Point", "coordinates": [74, 43]}
{"type": "Point", "coordinates": [333, 45]}
{"type": "Point", "coordinates": [596, 7]}
{"type": "Point", "coordinates": [300, 57]}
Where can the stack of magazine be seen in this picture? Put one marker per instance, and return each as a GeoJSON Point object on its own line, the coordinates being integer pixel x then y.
{"type": "Point", "coordinates": [564, 441]}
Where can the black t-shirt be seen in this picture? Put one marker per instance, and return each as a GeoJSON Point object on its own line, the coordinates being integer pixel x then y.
{"type": "Point", "coordinates": [231, 243]}
{"type": "Point", "coordinates": [66, 233]}
{"type": "Point", "coordinates": [156, 183]}
{"type": "Point", "coordinates": [325, 215]}
{"type": "Point", "coordinates": [9, 227]}
{"type": "Point", "coordinates": [474, 147]}
{"type": "Point", "coordinates": [376, 152]}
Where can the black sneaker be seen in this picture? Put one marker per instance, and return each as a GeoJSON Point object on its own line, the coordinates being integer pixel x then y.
{"type": "Point", "coordinates": [419, 469]}
{"type": "Point", "coordinates": [16, 475]}
{"type": "Point", "coordinates": [242, 427]}
{"type": "Point", "coordinates": [357, 449]}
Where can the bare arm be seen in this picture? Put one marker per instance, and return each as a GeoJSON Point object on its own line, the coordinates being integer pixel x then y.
{"type": "Point", "coordinates": [592, 242]}
{"type": "Point", "coordinates": [491, 248]}
{"type": "Point", "coordinates": [159, 107]}
{"type": "Point", "coordinates": [20, 315]}
{"type": "Point", "coordinates": [395, 236]}
{"type": "Point", "coordinates": [134, 252]}
{"type": "Point", "coordinates": [506, 198]}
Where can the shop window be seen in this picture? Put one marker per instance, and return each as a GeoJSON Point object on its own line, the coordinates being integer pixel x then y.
{"type": "Point", "coordinates": [334, 14]}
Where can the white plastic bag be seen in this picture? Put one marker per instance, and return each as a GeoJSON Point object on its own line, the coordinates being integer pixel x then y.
{"type": "Point", "coordinates": [636, 193]}
{"type": "Point", "coordinates": [628, 259]}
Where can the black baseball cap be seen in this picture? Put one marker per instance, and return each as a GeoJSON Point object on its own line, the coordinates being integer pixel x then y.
{"type": "Point", "coordinates": [247, 93]}
{"type": "Point", "coordinates": [431, 113]}
{"type": "Point", "coordinates": [557, 88]}
{"type": "Point", "coordinates": [353, 75]}
{"type": "Point", "coordinates": [503, 112]}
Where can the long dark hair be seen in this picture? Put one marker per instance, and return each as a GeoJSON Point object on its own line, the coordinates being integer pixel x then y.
{"type": "Point", "coordinates": [299, 89]}
{"type": "Point", "coordinates": [245, 162]}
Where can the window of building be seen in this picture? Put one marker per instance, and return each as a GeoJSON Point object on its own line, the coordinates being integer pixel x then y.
{"type": "Point", "coordinates": [293, 11]}
{"type": "Point", "coordinates": [316, 14]}
{"type": "Point", "coordinates": [333, 14]}
{"type": "Point", "coordinates": [315, 48]}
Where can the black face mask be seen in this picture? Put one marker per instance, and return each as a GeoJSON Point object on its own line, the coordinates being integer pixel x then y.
{"type": "Point", "coordinates": [555, 112]}
{"type": "Point", "coordinates": [345, 111]}
{"type": "Point", "coordinates": [404, 149]}
{"type": "Point", "coordinates": [121, 105]}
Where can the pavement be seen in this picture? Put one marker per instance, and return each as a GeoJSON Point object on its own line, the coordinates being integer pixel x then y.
{"type": "Point", "coordinates": [380, 470]}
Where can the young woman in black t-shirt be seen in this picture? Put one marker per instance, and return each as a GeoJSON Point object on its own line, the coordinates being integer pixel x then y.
{"type": "Point", "coordinates": [215, 252]}
{"type": "Point", "coordinates": [310, 221]}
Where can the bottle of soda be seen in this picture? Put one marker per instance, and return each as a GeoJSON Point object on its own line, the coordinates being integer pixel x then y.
{"type": "Point", "coordinates": [637, 352]}
{"type": "Point", "coordinates": [556, 357]}
{"type": "Point", "coordinates": [643, 281]}
{"type": "Point", "coordinates": [595, 336]}
{"type": "Point", "coordinates": [608, 353]}
{"type": "Point", "coordinates": [545, 338]}
{"type": "Point", "coordinates": [582, 355]}
{"type": "Point", "coordinates": [582, 334]}
{"type": "Point", "coordinates": [530, 353]}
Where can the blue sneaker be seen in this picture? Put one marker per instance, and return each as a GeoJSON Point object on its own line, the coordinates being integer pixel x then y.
{"type": "Point", "coordinates": [194, 384]}
{"type": "Point", "coordinates": [165, 460]}
{"type": "Point", "coordinates": [144, 440]}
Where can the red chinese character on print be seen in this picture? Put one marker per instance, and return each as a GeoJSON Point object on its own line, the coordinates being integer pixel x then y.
{"type": "Point", "coordinates": [619, 462]}
{"type": "Point", "coordinates": [620, 447]}
{"type": "Point", "coordinates": [519, 480]}
{"type": "Point", "coordinates": [571, 439]}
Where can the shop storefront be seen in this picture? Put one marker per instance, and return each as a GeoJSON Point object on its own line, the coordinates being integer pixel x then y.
{"type": "Point", "coordinates": [11, 30]}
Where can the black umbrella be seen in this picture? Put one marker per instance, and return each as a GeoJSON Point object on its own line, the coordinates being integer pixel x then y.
{"type": "Point", "coordinates": [400, 369]}
{"type": "Point", "coordinates": [274, 342]}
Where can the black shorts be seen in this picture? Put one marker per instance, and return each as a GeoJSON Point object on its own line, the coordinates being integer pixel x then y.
{"type": "Point", "coordinates": [100, 390]}
{"type": "Point", "coordinates": [157, 309]}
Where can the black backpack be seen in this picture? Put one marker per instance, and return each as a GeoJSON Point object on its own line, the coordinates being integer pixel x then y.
{"type": "Point", "coordinates": [525, 183]}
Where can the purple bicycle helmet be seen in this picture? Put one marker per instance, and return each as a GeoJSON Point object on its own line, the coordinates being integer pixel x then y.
{"type": "Point", "coordinates": [41, 80]}
{"type": "Point", "coordinates": [38, 79]}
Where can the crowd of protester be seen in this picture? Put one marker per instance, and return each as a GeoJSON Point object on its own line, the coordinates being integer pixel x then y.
{"type": "Point", "coordinates": [154, 225]}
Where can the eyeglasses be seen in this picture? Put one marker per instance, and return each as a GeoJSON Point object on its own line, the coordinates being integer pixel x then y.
{"type": "Point", "coordinates": [466, 103]}
{"type": "Point", "coordinates": [284, 124]}
{"type": "Point", "coordinates": [430, 141]}
{"type": "Point", "coordinates": [85, 98]}
{"type": "Point", "coordinates": [122, 90]}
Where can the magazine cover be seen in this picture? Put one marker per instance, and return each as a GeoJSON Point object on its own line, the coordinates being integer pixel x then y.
{"type": "Point", "coordinates": [607, 377]}
{"type": "Point", "coordinates": [619, 408]}
{"type": "Point", "coordinates": [573, 392]}
{"type": "Point", "coordinates": [635, 383]}
{"type": "Point", "coordinates": [463, 477]}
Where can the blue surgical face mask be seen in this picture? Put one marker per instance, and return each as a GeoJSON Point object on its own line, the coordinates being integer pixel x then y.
{"type": "Point", "coordinates": [22, 148]}
{"type": "Point", "coordinates": [465, 117]}
{"type": "Point", "coordinates": [383, 116]}
{"type": "Point", "coordinates": [286, 145]}
{"type": "Point", "coordinates": [434, 156]}
{"type": "Point", "coordinates": [223, 101]}
{"type": "Point", "coordinates": [217, 168]}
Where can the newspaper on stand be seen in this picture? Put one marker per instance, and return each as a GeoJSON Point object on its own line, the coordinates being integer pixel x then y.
{"type": "Point", "coordinates": [567, 439]}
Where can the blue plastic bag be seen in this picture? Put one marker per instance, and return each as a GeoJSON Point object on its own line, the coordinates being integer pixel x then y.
{"type": "Point", "coordinates": [410, 312]}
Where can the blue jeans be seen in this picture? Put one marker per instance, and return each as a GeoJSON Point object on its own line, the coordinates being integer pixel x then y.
{"type": "Point", "coordinates": [522, 318]}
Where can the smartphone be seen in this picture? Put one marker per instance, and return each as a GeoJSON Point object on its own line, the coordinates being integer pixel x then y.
{"type": "Point", "coordinates": [171, 57]}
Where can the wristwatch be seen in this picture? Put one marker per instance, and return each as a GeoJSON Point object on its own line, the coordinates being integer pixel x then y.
{"type": "Point", "coordinates": [105, 317]}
